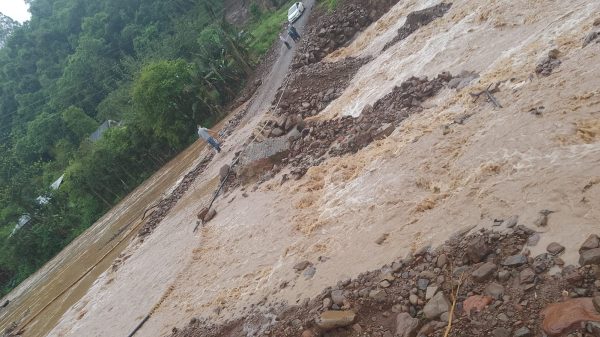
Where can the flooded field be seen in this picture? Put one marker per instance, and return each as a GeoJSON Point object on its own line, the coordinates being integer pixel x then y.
{"type": "Point", "coordinates": [39, 302]}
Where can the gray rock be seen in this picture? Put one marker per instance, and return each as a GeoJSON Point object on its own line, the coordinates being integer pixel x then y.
{"type": "Point", "coordinates": [413, 299]}
{"type": "Point", "coordinates": [501, 332]}
{"type": "Point", "coordinates": [533, 240]}
{"type": "Point", "coordinates": [593, 241]}
{"type": "Point", "coordinates": [542, 263]}
{"type": "Point", "coordinates": [406, 325]}
{"type": "Point", "coordinates": [300, 266]}
{"type": "Point", "coordinates": [494, 290]}
{"type": "Point", "coordinates": [484, 272]}
{"type": "Point", "coordinates": [542, 220]}
{"type": "Point", "coordinates": [478, 249]}
{"type": "Point", "coordinates": [382, 239]}
{"type": "Point", "coordinates": [377, 294]}
{"type": "Point", "coordinates": [309, 272]}
{"type": "Point", "coordinates": [590, 37]}
{"type": "Point", "coordinates": [591, 256]}
{"type": "Point", "coordinates": [385, 284]}
{"type": "Point", "coordinates": [210, 215]}
{"type": "Point", "coordinates": [430, 328]}
{"type": "Point", "coordinates": [396, 266]}
{"type": "Point", "coordinates": [522, 332]}
{"type": "Point", "coordinates": [503, 275]}
{"type": "Point", "coordinates": [384, 131]}
{"type": "Point", "coordinates": [276, 132]}
{"type": "Point", "coordinates": [224, 171]}
{"type": "Point", "coordinates": [436, 306]}
{"type": "Point", "coordinates": [335, 319]}
{"type": "Point", "coordinates": [555, 248]}
{"type": "Point", "coordinates": [512, 221]}
{"type": "Point", "coordinates": [337, 296]}
{"type": "Point", "coordinates": [453, 83]}
{"type": "Point", "coordinates": [422, 283]}
{"type": "Point", "coordinates": [427, 274]}
{"type": "Point", "coordinates": [526, 276]}
{"type": "Point", "coordinates": [442, 260]}
{"type": "Point", "coordinates": [593, 328]}
{"type": "Point", "coordinates": [430, 292]}
{"type": "Point", "coordinates": [503, 317]}
{"type": "Point", "coordinates": [388, 276]}
{"type": "Point", "coordinates": [515, 260]}
{"type": "Point", "coordinates": [326, 303]}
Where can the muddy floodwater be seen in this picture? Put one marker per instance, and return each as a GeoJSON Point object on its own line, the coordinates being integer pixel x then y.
{"type": "Point", "coordinates": [40, 301]}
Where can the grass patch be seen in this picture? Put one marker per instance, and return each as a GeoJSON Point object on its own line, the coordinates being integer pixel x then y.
{"type": "Point", "coordinates": [330, 5]}
{"type": "Point", "coordinates": [266, 28]}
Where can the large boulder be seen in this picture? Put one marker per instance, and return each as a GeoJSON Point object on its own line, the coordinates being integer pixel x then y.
{"type": "Point", "coordinates": [591, 256]}
{"type": "Point", "coordinates": [438, 305]}
{"type": "Point", "coordinates": [406, 325]}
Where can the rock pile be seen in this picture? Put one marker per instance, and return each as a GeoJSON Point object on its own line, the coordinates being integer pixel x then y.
{"type": "Point", "coordinates": [322, 139]}
{"type": "Point", "coordinates": [327, 31]}
{"type": "Point", "coordinates": [502, 294]}
{"type": "Point", "coordinates": [418, 19]}
{"type": "Point", "coordinates": [548, 63]}
{"type": "Point", "coordinates": [311, 88]}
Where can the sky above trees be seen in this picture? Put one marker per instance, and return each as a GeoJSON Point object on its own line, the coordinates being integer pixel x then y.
{"type": "Point", "coordinates": [16, 9]}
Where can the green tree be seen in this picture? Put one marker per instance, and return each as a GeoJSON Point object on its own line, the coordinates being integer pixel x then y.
{"type": "Point", "coordinates": [78, 122]}
{"type": "Point", "coordinates": [164, 97]}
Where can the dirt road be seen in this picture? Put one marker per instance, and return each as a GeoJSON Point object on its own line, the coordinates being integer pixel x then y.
{"type": "Point", "coordinates": [262, 101]}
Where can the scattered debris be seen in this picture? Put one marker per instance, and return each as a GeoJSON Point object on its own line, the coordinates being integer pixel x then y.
{"type": "Point", "coordinates": [462, 80]}
{"type": "Point", "coordinates": [418, 19]}
{"type": "Point", "coordinates": [382, 239]}
{"type": "Point", "coordinates": [327, 32]}
{"type": "Point", "coordinates": [548, 63]}
{"type": "Point", "coordinates": [489, 91]}
{"type": "Point", "coordinates": [329, 138]}
{"type": "Point", "coordinates": [542, 220]}
{"type": "Point", "coordinates": [593, 36]}
{"type": "Point", "coordinates": [537, 111]}
{"type": "Point", "coordinates": [300, 266]}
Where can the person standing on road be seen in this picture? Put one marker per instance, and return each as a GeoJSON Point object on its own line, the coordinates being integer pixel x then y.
{"type": "Point", "coordinates": [284, 40]}
{"type": "Point", "coordinates": [294, 33]}
{"type": "Point", "coordinates": [205, 134]}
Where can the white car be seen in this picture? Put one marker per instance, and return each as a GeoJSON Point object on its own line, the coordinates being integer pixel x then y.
{"type": "Point", "coordinates": [295, 12]}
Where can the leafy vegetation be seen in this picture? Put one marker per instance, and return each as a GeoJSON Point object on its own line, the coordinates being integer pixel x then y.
{"type": "Point", "coordinates": [156, 67]}
{"type": "Point", "coordinates": [265, 28]}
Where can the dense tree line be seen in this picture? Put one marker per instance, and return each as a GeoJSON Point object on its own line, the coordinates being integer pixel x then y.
{"type": "Point", "coordinates": [7, 25]}
{"type": "Point", "coordinates": [158, 67]}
